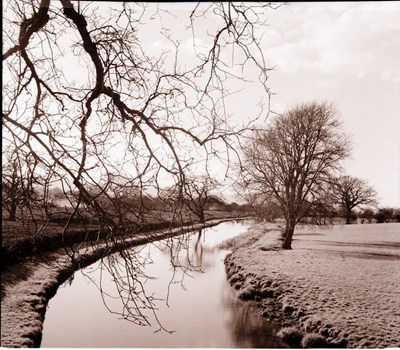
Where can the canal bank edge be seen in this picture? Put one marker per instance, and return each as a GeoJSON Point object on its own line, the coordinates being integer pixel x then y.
{"type": "Point", "coordinates": [267, 291]}
{"type": "Point", "coordinates": [253, 268]}
{"type": "Point", "coordinates": [24, 303]}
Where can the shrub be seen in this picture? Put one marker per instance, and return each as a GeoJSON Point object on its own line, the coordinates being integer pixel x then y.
{"type": "Point", "coordinates": [313, 340]}
{"type": "Point", "coordinates": [291, 335]}
{"type": "Point", "coordinates": [384, 215]}
{"type": "Point", "coordinates": [396, 215]}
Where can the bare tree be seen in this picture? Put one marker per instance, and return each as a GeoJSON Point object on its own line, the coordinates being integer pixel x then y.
{"type": "Point", "coordinates": [124, 111]}
{"type": "Point", "coordinates": [20, 183]}
{"type": "Point", "coordinates": [367, 214]}
{"type": "Point", "coordinates": [384, 215]}
{"type": "Point", "coordinates": [293, 160]}
{"type": "Point", "coordinates": [16, 189]}
{"type": "Point", "coordinates": [352, 192]}
{"type": "Point", "coordinates": [198, 195]}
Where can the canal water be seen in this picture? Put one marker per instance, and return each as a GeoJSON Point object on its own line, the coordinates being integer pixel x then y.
{"type": "Point", "coordinates": [168, 294]}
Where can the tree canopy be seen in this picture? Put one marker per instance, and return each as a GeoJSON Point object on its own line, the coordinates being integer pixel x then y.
{"type": "Point", "coordinates": [97, 101]}
{"type": "Point", "coordinates": [290, 164]}
{"type": "Point", "coordinates": [352, 192]}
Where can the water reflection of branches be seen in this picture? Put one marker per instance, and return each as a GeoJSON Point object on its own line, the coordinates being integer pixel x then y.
{"type": "Point", "coordinates": [179, 263]}
{"type": "Point", "coordinates": [130, 276]}
{"type": "Point", "coordinates": [198, 248]}
{"type": "Point", "coordinates": [127, 269]}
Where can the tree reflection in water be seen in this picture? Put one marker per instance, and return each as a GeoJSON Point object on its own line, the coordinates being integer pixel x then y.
{"type": "Point", "coordinates": [130, 272]}
{"type": "Point", "coordinates": [249, 329]}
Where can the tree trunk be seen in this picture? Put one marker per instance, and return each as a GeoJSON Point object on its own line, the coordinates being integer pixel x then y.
{"type": "Point", "coordinates": [202, 217]}
{"type": "Point", "coordinates": [348, 217]}
{"type": "Point", "coordinates": [288, 235]}
{"type": "Point", "coordinates": [13, 211]}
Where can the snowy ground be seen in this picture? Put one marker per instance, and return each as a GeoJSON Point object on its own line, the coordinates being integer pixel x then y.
{"type": "Point", "coordinates": [342, 282]}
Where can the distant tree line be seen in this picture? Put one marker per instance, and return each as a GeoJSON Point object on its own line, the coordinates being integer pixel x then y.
{"type": "Point", "coordinates": [22, 196]}
{"type": "Point", "coordinates": [380, 215]}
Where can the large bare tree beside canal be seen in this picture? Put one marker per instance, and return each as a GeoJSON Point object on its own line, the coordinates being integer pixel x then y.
{"type": "Point", "coordinates": [291, 163]}
{"type": "Point", "coordinates": [92, 96]}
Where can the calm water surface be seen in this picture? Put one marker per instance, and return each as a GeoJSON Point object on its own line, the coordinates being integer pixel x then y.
{"type": "Point", "coordinates": [172, 293]}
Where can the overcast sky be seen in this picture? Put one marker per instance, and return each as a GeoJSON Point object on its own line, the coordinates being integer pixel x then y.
{"type": "Point", "coordinates": [349, 54]}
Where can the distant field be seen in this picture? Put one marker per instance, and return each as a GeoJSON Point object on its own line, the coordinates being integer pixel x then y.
{"type": "Point", "coordinates": [373, 239]}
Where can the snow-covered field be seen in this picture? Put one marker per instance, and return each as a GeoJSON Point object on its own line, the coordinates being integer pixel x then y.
{"type": "Point", "coordinates": [342, 282]}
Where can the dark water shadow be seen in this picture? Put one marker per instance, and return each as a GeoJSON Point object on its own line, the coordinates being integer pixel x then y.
{"type": "Point", "coordinates": [251, 330]}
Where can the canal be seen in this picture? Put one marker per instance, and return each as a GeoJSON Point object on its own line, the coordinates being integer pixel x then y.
{"type": "Point", "coordinates": [167, 294]}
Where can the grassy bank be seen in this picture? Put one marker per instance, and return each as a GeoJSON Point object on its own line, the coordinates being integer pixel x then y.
{"type": "Point", "coordinates": [338, 287]}
{"type": "Point", "coordinates": [21, 240]}
{"type": "Point", "coordinates": [22, 248]}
